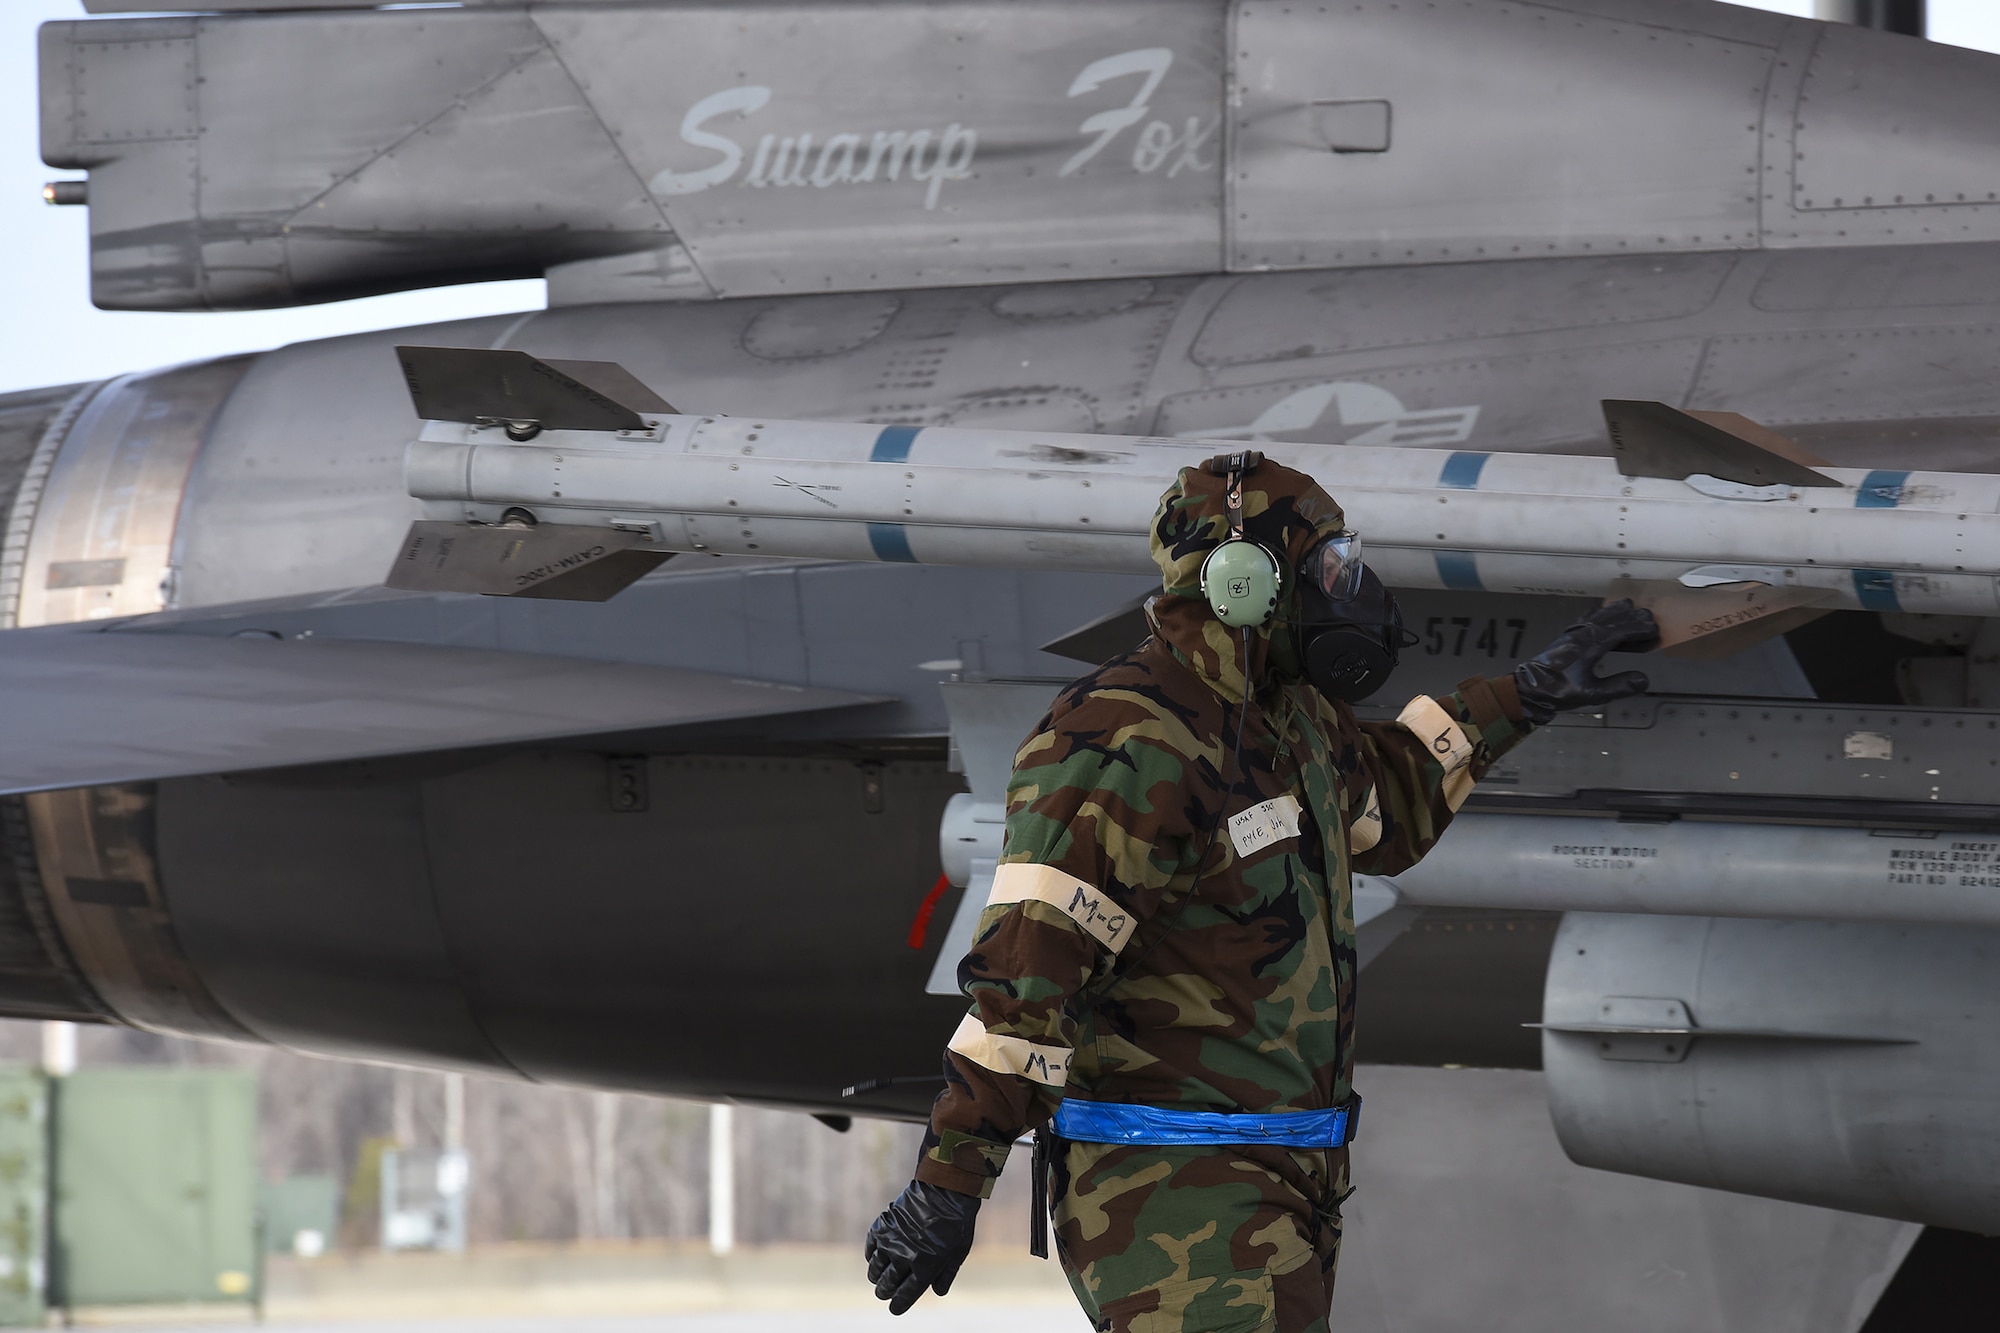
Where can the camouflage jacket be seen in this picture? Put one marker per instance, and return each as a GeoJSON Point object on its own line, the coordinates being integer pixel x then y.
{"type": "Point", "coordinates": [1170, 925]}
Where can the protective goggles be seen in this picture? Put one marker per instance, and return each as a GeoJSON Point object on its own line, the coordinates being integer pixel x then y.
{"type": "Point", "coordinates": [1333, 565]}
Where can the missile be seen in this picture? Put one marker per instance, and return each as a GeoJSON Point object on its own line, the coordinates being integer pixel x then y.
{"type": "Point", "coordinates": [1703, 868]}
{"type": "Point", "coordinates": [1570, 863]}
{"type": "Point", "coordinates": [521, 456]}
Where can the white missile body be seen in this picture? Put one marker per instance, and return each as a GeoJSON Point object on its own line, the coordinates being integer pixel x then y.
{"type": "Point", "coordinates": [1531, 523]}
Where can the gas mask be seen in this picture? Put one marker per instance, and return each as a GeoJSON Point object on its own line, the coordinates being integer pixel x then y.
{"type": "Point", "coordinates": [1348, 630]}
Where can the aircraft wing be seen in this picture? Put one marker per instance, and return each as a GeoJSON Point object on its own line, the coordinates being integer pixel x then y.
{"type": "Point", "coordinates": [99, 706]}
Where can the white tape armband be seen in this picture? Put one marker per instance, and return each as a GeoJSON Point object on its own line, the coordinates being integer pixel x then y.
{"type": "Point", "coordinates": [1426, 719]}
{"type": "Point", "coordinates": [1264, 824]}
{"type": "Point", "coordinates": [1365, 829]}
{"type": "Point", "coordinates": [1090, 907]}
{"type": "Point", "coordinates": [1010, 1055]}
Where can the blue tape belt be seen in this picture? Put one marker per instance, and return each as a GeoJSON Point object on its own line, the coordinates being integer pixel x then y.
{"type": "Point", "coordinates": [1119, 1122]}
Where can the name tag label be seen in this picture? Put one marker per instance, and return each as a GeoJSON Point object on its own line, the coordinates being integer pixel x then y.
{"type": "Point", "coordinates": [1005, 1054]}
{"type": "Point", "coordinates": [1446, 740]}
{"type": "Point", "coordinates": [1439, 731]}
{"type": "Point", "coordinates": [1265, 824]}
{"type": "Point", "coordinates": [1089, 907]}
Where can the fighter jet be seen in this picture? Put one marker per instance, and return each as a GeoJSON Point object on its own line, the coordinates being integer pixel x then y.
{"type": "Point", "coordinates": [1675, 293]}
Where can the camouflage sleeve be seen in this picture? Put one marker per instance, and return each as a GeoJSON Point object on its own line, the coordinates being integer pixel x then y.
{"type": "Point", "coordinates": [1097, 830]}
{"type": "Point", "coordinates": [1421, 767]}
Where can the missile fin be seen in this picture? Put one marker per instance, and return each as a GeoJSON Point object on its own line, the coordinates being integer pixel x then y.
{"type": "Point", "coordinates": [1743, 428]}
{"type": "Point", "coordinates": [482, 384]}
{"type": "Point", "coordinates": [1724, 618]}
{"type": "Point", "coordinates": [560, 561]}
{"type": "Point", "coordinates": [1655, 440]}
{"type": "Point", "coordinates": [616, 383]}
{"type": "Point", "coordinates": [1107, 636]}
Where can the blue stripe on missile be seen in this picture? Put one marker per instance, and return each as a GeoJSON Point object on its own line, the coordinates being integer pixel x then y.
{"type": "Point", "coordinates": [1461, 471]}
{"type": "Point", "coordinates": [891, 543]}
{"type": "Point", "coordinates": [1459, 570]}
{"type": "Point", "coordinates": [1880, 490]}
{"type": "Point", "coordinates": [1876, 589]}
{"type": "Point", "coordinates": [893, 446]}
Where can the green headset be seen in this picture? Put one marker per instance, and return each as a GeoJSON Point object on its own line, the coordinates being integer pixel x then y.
{"type": "Point", "coordinates": [1241, 580]}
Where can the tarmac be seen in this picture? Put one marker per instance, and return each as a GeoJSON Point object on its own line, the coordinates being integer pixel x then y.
{"type": "Point", "coordinates": [623, 1287]}
{"type": "Point", "coordinates": [1469, 1216]}
{"type": "Point", "coordinates": [930, 1316]}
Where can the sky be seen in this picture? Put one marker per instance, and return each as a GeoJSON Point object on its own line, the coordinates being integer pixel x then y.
{"type": "Point", "coordinates": [52, 335]}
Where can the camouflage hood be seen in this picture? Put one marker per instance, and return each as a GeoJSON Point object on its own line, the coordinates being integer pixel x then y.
{"type": "Point", "coordinates": [1283, 510]}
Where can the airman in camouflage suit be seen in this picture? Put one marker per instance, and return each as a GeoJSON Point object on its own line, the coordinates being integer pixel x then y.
{"type": "Point", "coordinates": [1172, 925]}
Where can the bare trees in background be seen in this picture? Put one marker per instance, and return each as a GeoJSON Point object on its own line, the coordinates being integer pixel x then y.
{"type": "Point", "coordinates": [548, 1163]}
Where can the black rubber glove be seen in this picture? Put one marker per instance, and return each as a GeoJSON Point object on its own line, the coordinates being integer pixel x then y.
{"type": "Point", "coordinates": [1564, 674]}
{"type": "Point", "coordinates": [919, 1241]}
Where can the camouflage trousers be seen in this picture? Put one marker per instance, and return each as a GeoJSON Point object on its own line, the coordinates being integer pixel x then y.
{"type": "Point", "coordinates": [1241, 1239]}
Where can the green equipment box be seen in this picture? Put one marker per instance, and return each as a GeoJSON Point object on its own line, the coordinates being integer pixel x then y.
{"type": "Point", "coordinates": [155, 1187]}
{"type": "Point", "coordinates": [301, 1215]}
